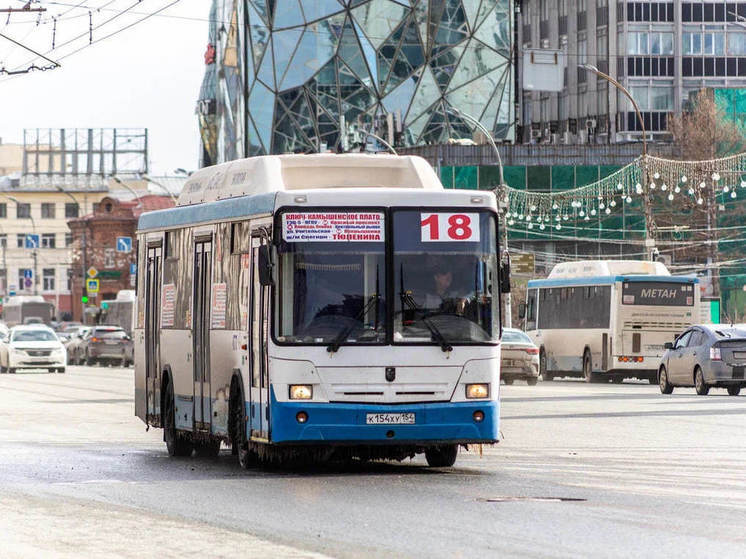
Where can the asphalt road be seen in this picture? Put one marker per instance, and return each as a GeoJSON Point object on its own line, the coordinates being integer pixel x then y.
{"type": "Point", "coordinates": [583, 470]}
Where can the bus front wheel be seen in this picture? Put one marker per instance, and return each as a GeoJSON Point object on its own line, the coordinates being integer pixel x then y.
{"type": "Point", "coordinates": [443, 456]}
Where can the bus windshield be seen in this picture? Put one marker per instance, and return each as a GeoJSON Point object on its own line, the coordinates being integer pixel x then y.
{"type": "Point", "coordinates": [445, 277]}
{"type": "Point", "coordinates": [332, 278]}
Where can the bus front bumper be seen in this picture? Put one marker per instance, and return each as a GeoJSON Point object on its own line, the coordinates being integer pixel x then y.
{"type": "Point", "coordinates": [342, 423]}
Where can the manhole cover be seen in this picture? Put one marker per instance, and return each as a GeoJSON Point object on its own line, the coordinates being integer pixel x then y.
{"type": "Point", "coordinates": [510, 499]}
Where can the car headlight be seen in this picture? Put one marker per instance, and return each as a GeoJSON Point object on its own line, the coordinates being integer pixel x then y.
{"type": "Point", "coordinates": [477, 391]}
{"type": "Point", "coordinates": [301, 391]}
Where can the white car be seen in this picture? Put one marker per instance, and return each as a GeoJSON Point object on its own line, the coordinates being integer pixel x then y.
{"type": "Point", "coordinates": [32, 347]}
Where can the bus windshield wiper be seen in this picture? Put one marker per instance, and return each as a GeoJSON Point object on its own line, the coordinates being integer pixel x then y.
{"type": "Point", "coordinates": [406, 299]}
{"type": "Point", "coordinates": [342, 336]}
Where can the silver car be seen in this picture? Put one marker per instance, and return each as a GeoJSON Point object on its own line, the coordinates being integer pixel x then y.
{"type": "Point", "coordinates": [705, 356]}
{"type": "Point", "coordinates": [519, 357]}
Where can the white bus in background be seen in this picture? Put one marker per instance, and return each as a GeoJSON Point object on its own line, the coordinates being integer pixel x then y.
{"type": "Point", "coordinates": [320, 306]}
{"type": "Point", "coordinates": [607, 320]}
{"type": "Point", "coordinates": [119, 311]}
{"type": "Point", "coordinates": [27, 309]}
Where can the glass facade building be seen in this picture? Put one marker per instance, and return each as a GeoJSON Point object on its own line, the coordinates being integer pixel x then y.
{"type": "Point", "coordinates": [307, 75]}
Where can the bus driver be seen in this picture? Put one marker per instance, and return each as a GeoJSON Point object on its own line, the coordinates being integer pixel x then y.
{"type": "Point", "coordinates": [441, 296]}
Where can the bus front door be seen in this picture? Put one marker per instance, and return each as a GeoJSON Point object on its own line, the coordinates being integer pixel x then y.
{"type": "Point", "coordinates": [201, 333]}
{"type": "Point", "coordinates": [152, 334]}
{"type": "Point", "coordinates": [259, 392]}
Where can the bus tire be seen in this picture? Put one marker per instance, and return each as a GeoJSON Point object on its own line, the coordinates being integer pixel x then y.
{"type": "Point", "coordinates": [443, 456]}
{"type": "Point", "coordinates": [11, 371]}
{"type": "Point", "coordinates": [508, 380]}
{"type": "Point", "coordinates": [665, 386]}
{"type": "Point", "coordinates": [734, 390]}
{"type": "Point", "coordinates": [531, 381]}
{"type": "Point", "coordinates": [545, 376]}
{"type": "Point", "coordinates": [700, 386]}
{"type": "Point", "coordinates": [176, 444]}
{"type": "Point", "coordinates": [588, 374]}
{"type": "Point", "coordinates": [239, 443]}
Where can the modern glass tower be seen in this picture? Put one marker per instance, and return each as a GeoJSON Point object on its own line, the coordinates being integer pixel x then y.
{"type": "Point", "coordinates": [305, 75]}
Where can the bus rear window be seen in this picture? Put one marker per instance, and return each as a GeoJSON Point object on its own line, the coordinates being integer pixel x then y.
{"type": "Point", "coordinates": [658, 293]}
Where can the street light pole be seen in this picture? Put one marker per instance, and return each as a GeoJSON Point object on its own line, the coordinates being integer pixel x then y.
{"type": "Point", "coordinates": [384, 142]}
{"type": "Point", "coordinates": [159, 185]}
{"type": "Point", "coordinates": [35, 251]}
{"type": "Point", "coordinates": [83, 255]}
{"type": "Point", "coordinates": [502, 197]}
{"type": "Point", "coordinates": [647, 208]}
{"type": "Point", "coordinates": [127, 187]}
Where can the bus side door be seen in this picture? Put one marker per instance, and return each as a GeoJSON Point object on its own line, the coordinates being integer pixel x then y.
{"type": "Point", "coordinates": [152, 333]}
{"type": "Point", "coordinates": [202, 278]}
{"type": "Point", "coordinates": [258, 330]}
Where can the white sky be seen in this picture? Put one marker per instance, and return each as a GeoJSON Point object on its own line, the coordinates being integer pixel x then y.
{"type": "Point", "coordinates": [147, 76]}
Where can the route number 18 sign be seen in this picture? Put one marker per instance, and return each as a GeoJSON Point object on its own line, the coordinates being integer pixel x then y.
{"type": "Point", "coordinates": [449, 227]}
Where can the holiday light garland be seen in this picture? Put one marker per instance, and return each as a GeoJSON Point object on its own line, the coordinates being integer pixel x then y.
{"type": "Point", "coordinates": [668, 177]}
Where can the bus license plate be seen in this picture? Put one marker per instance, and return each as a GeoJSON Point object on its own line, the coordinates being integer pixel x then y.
{"type": "Point", "coordinates": [389, 418]}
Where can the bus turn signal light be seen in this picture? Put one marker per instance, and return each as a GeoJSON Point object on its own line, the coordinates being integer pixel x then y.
{"type": "Point", "coordinates": [301, 391]}
{"type": "Point", "coordinates": [477, 390]}
{"type": "Point", "coordinates": [630, 359]}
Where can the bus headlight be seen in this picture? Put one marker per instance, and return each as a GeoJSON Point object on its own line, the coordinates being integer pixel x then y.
{"type": "Point", "coordinates": [477, 390]}
{"type": "Point", "coordinates": [301, 391]}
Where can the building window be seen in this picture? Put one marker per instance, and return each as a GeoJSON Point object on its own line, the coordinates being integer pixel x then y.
{"type": "Point", "coordinates": [23, 211]}
{"type": "Point", "coordinates": [68, 239]}
{"type": "Point", "coordinates": [47, 211]}
{"type": "Point", "coordinates": [109, 258]}
{"type": "Point", "coordinates": [4, 240]}
{"type": "Point", "coordinates": [736, 45]}
{"type": "Point", "coordinates": [69, 279]}
{"type": "Point", "coordinates": [71, 210]}
{"type": "Point", "coordinates": [48, 279]}
{"type": "Point", "coordinates": [703, 43]}
{"type": "Point", "coordinates": [20, 240]}
{"type": "Point", "coordinates": [48, 240]}
{"type": "Point", "coordinates": [3, 210]}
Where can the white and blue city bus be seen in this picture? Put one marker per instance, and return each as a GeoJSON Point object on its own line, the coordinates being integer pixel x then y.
{"type": "Point", "coordinates": [320, 306]}
{"type": "Point", "coordinates": [607, 320]}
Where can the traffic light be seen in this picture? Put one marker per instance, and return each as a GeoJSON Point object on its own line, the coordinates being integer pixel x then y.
{"type": "Point", "coordinates": [84, 299]}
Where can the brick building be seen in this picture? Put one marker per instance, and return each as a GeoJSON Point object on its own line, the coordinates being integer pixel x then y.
{"type": "Point", "coordinates": [94, 245]}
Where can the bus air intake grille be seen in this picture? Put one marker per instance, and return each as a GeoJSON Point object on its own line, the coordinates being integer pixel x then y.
{"type": "Point", "coordinates": [363, 393]}
{"type": "Point", "coordinates": [657, 325]}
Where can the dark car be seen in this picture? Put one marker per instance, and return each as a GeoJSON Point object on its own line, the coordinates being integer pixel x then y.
{"type": "Point", "coordinates": [107, 344]}
{"type": "Point", "coordinates": [705, 356]}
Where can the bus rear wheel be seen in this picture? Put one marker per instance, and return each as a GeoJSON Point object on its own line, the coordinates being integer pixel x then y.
{"type": "Point", "coordinates": [588, 373]}
{"type": "Point", "coordinates": [176, 444]}
{"type": "Point", "coordinates": [443, 456]}
{"type": "Point", "coordinates": [239, 443]}
{"type": "Point", "coordinates": [545, 376]}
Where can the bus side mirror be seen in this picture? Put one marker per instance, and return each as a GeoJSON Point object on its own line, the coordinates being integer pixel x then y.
{"type": "Point", "coordinates": [505, 277]}
{"type": "Point", "coordinates": [668, 345]}
{"type": "Point", "coordinates": [265, 265]}
{"type": "Point", "coordinates": [522, 310]}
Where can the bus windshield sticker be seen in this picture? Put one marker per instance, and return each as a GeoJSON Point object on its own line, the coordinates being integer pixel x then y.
{"type": "Point", "coordinates": [333, 227]}
{"type": "Point", "coordinates": [168, 304]}
{"type": "Point", "coordinates": [666, 294]}
{"type": "Point", "coordinates": [219, 293]}
{"type": "Point", "coordinates": [449, 227]}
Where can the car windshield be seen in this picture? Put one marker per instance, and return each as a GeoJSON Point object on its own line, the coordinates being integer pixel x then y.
{"type": "Point", "coordinates": [445, 277]}
{"type": "Point", "coordinates": [515, 337]}
{"type": "Point", "coordinates": [332, 278]}
{"type": "Point", "coordinates": [33, 336]}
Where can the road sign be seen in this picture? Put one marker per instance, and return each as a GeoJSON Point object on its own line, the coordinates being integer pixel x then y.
{"type": "Point", "coordinates": [91, 286]}
{"type": "Point", "coordinates": [124, 244]}
{"type": "Point", "coordinates": [27, 282]}
{"type": "Point", "coordinates": [522, 263]}
{"type": "Point", "coordinates": [133, 269]}
{"type": "Point", "coordinates": [32, 241]}
{"type": "Point", "coordinates": [92, 272]}
{"type": "Point", "coordinates": [28, 274]}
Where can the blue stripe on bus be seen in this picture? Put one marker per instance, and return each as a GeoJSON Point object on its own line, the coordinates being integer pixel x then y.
{"type": "Point", "coordinates": [345, 423]}
{"type": "Point", "coordinates": [606, 280]}
{"type": "Point", "coordinates": [229, 208]}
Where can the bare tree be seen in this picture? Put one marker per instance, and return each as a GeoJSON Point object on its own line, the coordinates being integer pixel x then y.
{"type": "Point", "coordinates": [705, 132]}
